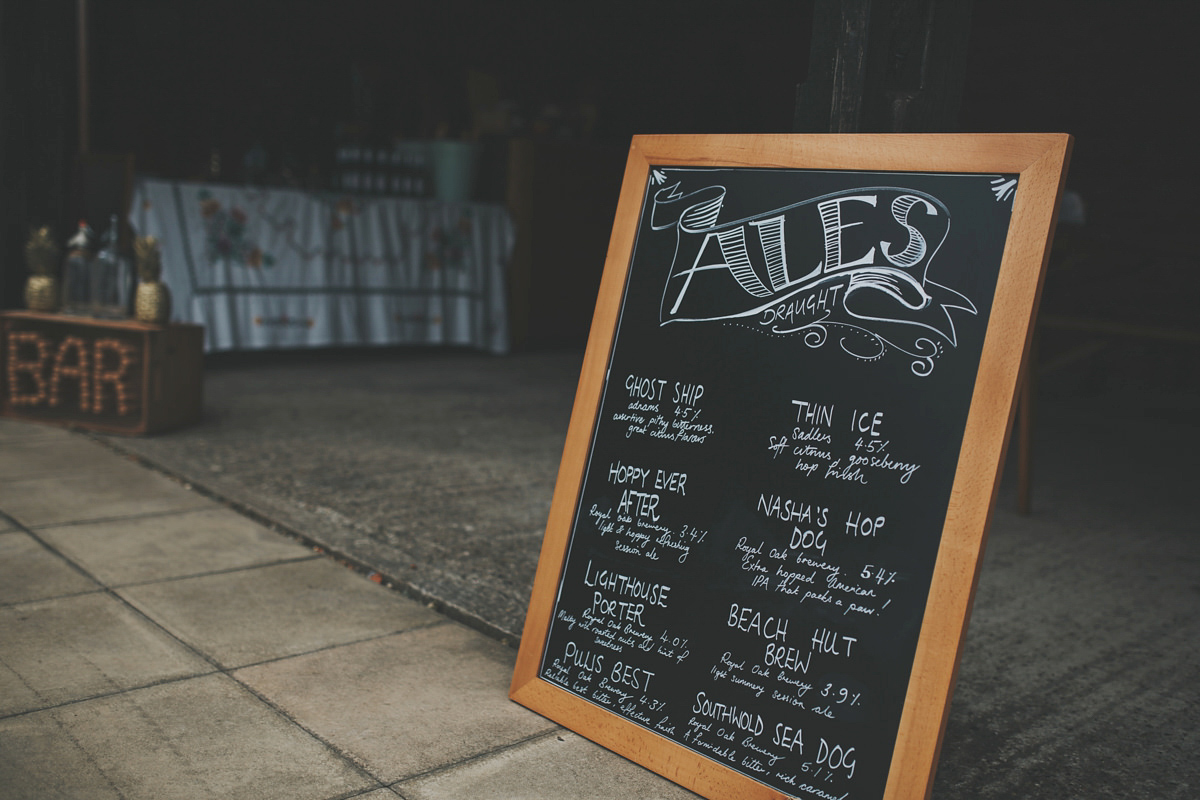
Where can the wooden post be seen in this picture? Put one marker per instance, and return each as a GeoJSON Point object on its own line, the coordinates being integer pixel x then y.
{"type": "Point", "coordinates": [84, 143]}
{"type": "Point", "coordinates": [884, 66]}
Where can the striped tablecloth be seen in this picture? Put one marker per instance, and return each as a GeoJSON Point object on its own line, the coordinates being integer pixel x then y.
{"type": "Point", "coordinates": [283, 268]}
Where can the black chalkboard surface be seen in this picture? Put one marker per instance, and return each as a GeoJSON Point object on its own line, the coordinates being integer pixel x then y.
{"type": "Point", "coordinates": [744, 575]}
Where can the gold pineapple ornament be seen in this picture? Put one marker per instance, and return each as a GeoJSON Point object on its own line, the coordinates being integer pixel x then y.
{"type": "Point", "coordinates": [152, 302]}
{"type": "Point", "coordinates": [41, 256]}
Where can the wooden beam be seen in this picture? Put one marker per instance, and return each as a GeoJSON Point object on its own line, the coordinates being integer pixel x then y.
{"type": "Point", "coordinates": [82, 17]}
{"type": "Point", "coordinates": [884, 66]}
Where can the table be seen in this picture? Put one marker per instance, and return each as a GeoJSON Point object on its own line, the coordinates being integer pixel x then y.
{"type": "Point", "coordinates": [283, 268]}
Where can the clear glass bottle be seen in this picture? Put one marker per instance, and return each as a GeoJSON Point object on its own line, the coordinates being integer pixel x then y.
{"type": "Point", "coordinates": [76, 275]}
{"type": "Point", "coordinates": [111, 275]}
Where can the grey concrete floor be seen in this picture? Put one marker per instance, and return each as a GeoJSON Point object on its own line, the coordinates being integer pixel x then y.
{"type": "Point", "coordinates": [435, 469]}
{"type": "Point", "coordinates": [156, 644]}
{"type": "Point", "coordinates": [1081, 671]}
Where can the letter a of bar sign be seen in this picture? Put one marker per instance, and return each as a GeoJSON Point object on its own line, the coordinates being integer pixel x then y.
{"type": "Point", "coordinates": [774, 496]}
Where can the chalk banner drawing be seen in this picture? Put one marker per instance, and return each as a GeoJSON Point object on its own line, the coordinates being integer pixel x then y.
{"type": "Point", "coordinates": [770, 469]}
{"type": "Point", "coordinates": [854, 262]}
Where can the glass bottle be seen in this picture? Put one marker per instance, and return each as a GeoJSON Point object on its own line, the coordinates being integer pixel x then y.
{"type": "Point", "coordinates": [76, 276]}
{"type": "Point", "coordinates": [111, 275]}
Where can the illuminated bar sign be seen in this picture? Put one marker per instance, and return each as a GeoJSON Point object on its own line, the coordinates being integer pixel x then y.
{"type": "Point", "coordinates": [108, 375]}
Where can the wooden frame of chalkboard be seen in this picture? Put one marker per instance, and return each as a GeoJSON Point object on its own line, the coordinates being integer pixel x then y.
{"type": "Point", "coordinates": [785, 448]}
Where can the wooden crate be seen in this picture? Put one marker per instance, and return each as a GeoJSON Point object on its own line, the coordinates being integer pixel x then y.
{"type": "Point", "coordinates": [116, 376]}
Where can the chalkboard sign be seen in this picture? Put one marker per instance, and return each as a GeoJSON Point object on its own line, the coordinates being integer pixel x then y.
{"type": "Point", "coordinates": [771, 509]}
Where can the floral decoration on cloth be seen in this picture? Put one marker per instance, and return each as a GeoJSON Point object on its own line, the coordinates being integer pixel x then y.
{"type": "Point", "coordinates": [448, 248]}
{"type": "Point", "coordinates": [225, 235]}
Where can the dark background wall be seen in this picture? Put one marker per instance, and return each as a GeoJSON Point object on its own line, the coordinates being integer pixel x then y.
{"type": "Point", "coordinates": [37, 126]}
{"type": "Point", "coordinates": [1119, 76]}
{"type": "Point", "coordinates": [174, 82]}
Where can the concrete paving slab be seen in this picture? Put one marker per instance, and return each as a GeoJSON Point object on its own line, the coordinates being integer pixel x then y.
{"type": "Point", "coordinates": [404, 704]}
{"type": "Point", "coordinates": [255, 615]}
{"type": "Point", "coordinates": [38, 760]}
{"type": "Point", "coordinates": [12, 430]}
{"type": "Point", "coordinates": [28, 571]}
{"type": "Point", "coordinates": [118, 488]}
{"type": "Point", "coordinates": [69, 648]}
{"type": "Point", "coordinates": [563, 766]}
{"type": "Point", "coordinates": [192, 740]}
{"type": "Point", "coordinates": [455, 526]}
{"type": "Point", "coordinates": [171, 545]}
{"type": "Point", "coordinates": [42, 456]}
{"type": "Point", "coordinates": [436, 468]}
{"type": "Point", "coordinates": [483, 580]}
